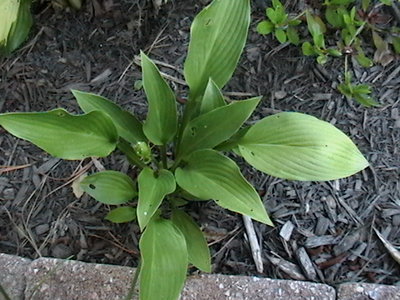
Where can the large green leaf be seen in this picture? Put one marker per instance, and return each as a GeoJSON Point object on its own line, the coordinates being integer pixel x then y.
{"type": "Point", "coordinates": [109, 187]}
{"type": "Point", "coordinates": [212, 98]}
{"type": "Point", "coordinates": [152, 190]}
{"type": "Point", "coordinates": [300, 147]}
{"type": "Point", "coordinates": [164, 261]}
{"type": "Point", "coordinates": [218, 35]}
{"type": "Point", "coordinates": [162, 119]}
{"type": "Point", "coordinates": [127, 125]}
{"type": "Point", "coordinates": [199, 254]}
{"type": "Point", "coordinates": [15, 23]}
{"type": "Point", "coordinates": [64, 135]}
{"type": "Point", "coordinates": [20, 30]}
{"type": "Point", "coordinates": [216, 126]}
{"type": "Point", "coordinates": [210, 175]}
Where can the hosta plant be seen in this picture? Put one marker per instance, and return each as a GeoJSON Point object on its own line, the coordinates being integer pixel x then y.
{"type": "Point", "coordinates": [184, 158]}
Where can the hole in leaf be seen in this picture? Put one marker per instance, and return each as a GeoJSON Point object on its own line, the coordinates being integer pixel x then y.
{"type": "Point", "coordinates": [92, 186]}
{"type": "Point", "coordinates": [252, 153]}
{"type": "Point", "coordinates": [193, 131]}
{"type": "Point", "coordinates": [209, 21]}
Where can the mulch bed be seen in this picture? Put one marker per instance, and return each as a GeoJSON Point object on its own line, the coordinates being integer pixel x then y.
{"type": "Point", "coordinates": [324, 231]}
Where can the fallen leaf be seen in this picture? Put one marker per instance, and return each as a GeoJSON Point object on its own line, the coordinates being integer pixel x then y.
{"type": "Point", "coordinates": [76, 186]}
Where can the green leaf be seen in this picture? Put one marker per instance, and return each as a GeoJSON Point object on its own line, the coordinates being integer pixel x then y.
{"type": "Point", "coordinates": [300, 147]}
{"type": "Point", "coordinates": [386, 2]}
{"type": "Point", "coordinates": [20, 30]}
{"type": "Point", "coordinates": [9, 16]}
{"type": "Point", "coordinates": [16, 21]}
{"type": "Point", "coordinates": [362, 89]}
{"type": "Point", "coordinates": [322, 59]}
{"type": "Point", "coordinates": [212, 98]}
{"type": "Point", "coordinates": [272, 15]}
{"type": "Point", "coordinates": [365, 4]}
{"type": "Point", "coordinates": [123, 214]}
{"type": "Point", "coordinates": [127, 125]}
{"type": "Point", "coordinates": [365, 100]}
{"type": "Point", "coordinates": [210, 175]}
{"type": "Point", "coordinates": [396, 44]}
{"type": "Point", "coordinates": [345, 90]}
{"type": "Point", "coordinates": [334, 16]}
{"type": "Point", "coordinates": [152, 190]}
{"type": "Point", "coordinates": [64, 135]}
{"type": "Point", "coordinates": [277, 4]}
{"type": "Point", "coordinates": [109, 187]}
{"type": "Point", "coordinates": [313, 26]}
{"type": "Point", "coordinates": [307, 49]}
{"type": "Point", "coordinates": [218, 35]}
{"type": "Point", "coordinates": [164, 261]}
{"type": "Point", "coordinates": [216, 126]}
{"type": "Point", "coordinates": [293, 35]}
{"type": "Point", "coordinates": [363, 60]}
{"type": "Point", "coordinates": [265, 27]}
{"type": "Point", "coordinates": [280, 35]}
{"type": "Point", "coordinates": [317, 28]}
{"type": "Point", "coordinates": [294, 22]}
{"type": "Point", "coordinates": [334, 52]}
{"type": "Point", "coordinates": [199, 254]}
{"type": "Point", "coordinates": [162, 118]}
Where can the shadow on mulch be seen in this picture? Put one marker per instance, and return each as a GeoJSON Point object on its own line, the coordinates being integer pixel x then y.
{"type": "Point", "coordinates": [324, 231]}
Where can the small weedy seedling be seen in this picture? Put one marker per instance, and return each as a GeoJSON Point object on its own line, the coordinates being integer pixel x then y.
{"type": "Point", "coordinates": [183, 158]}
{"type": "Point", "coordinates": [279, 23]}
{"type": "Point", "coordinates": [317, 29]}
{"type": "Point", "coordinates": [350, 22]}
{"type": "Point", "coordinates": [15, 23]}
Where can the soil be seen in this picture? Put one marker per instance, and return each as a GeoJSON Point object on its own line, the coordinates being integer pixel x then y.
{"type": "Point", "coordinates": [324, 230]}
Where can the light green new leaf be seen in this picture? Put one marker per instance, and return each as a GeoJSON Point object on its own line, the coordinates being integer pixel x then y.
{"type": "Point", "coordinates": [265, 27]}
{"type": "Point", "coordinates": [216, 126]}
{"type": "Point", "coordinates": [122, 214]}
{"type": "Point", "coordinates": [293, 35]}
{"type": "Point", "coordinates": [64, 135]}
{"type": "Point", "coordinates": [199, 253]}
{"type": "Point", "coordinates": [300, 147]}
{"type": "Point", "coordinates": [152, 190]}
{"type": "Point", "coordinates": [281, 35]}
{"type": "Point", "coordinates": [218, 35]}
{"type": "Point", "coordinates": [127, 125]}
{"type": "Point", "coordinates": [164, 261]}
{"type": "Point", "coordinates": [210, 175]}
{"type": "Point", "coordinates": [162, 119]}
{"type": "Point", "coordinates": [212, 98]}
{"type": "Point", "coordinates": [109, 187]}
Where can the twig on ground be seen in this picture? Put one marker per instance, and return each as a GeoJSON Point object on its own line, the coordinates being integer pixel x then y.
{"type": "Point", "coordinates": [254, 245]}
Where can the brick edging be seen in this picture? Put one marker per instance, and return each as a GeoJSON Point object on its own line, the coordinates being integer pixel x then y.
{"type": "Point", "coordinates": [51, 279]}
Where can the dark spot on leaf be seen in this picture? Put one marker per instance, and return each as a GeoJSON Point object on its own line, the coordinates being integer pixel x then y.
{"type": "Point", "coordinates": [251, 210]}
{"type": "Point", "coordinates": [208, 22]}
{"type": "Point", "coordinates": [92, 186]}
{"type": "Point", "coordinates": [193, 131]}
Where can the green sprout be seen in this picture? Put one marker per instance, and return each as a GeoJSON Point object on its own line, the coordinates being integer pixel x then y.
{"type": "Point", "coordinates": [279, 24]}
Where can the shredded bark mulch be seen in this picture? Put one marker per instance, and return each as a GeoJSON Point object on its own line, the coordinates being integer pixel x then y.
{"type": "Point", "coordinates": [324, 230]}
